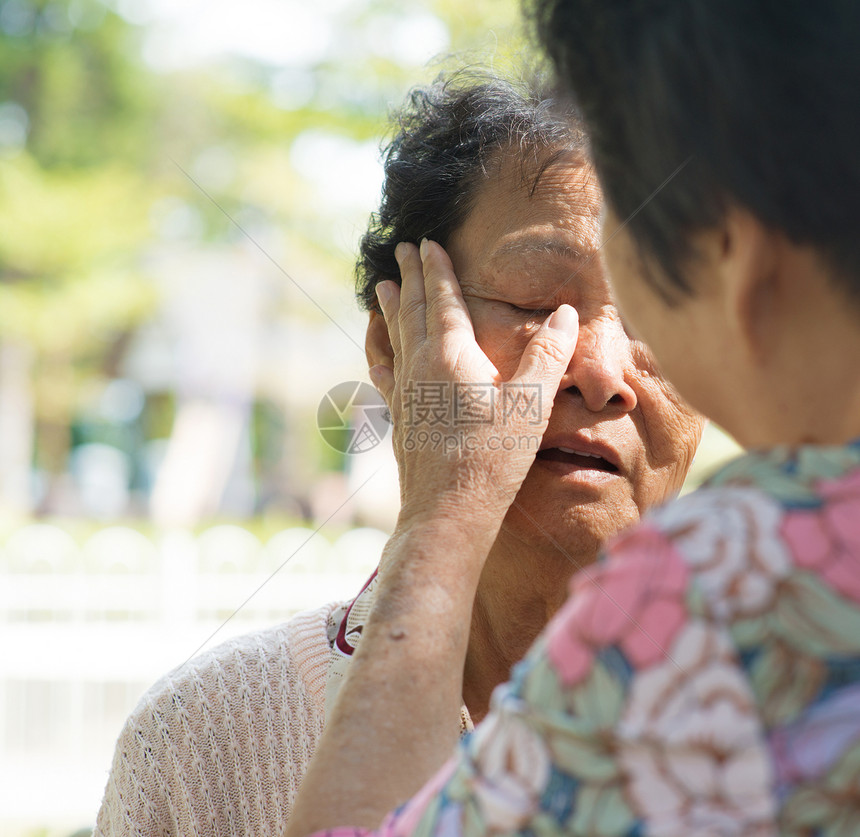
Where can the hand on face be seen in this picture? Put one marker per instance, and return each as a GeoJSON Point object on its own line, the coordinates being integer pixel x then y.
{"type": "Point", "coordinates": [523, 251]}
{"type": "Point", "coordinates": [453, 414]}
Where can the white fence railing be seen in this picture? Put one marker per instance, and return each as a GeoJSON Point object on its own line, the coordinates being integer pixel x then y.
{"type": "Point", "coordinates": [86, 628]}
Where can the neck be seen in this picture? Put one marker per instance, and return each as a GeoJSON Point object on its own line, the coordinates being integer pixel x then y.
{"type": "Point", "coordinates": [807, 390]}
{"type": "Point", "coordinates": [786, 370]}
{"type": "Point", "coordinates": [520, 590]}
{"type": "Point", "coordinates": [826, 408]}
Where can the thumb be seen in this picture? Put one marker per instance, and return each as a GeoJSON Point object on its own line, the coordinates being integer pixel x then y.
{"type": "Point", "coordinates": [548, 354]}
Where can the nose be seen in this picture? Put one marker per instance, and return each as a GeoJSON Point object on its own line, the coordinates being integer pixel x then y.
{"type": "Point", "coordinates": [598, 370]}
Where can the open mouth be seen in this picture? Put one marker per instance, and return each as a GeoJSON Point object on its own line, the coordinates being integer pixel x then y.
{"type": "Point", "coordinates": [576, 457]}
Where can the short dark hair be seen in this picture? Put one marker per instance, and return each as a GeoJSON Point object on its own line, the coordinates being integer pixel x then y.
{"type": "Point", "coordinates": [447, 135]}
{"type": "Point", "coordinates": [756, 101]}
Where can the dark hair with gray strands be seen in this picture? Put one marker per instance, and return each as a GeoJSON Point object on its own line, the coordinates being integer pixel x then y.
{"type": "Point", "coordinates": [447, 135]}
{"type": "Point", "coordinates": [694, 106]}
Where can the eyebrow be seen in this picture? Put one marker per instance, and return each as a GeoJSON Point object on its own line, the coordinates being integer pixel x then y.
{"type": "Point", "coordinates": [549, 246]}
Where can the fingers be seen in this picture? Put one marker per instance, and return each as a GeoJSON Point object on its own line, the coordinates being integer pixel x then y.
{"type": "Point", "coordinates": [548, 353]}
{"type": "Point", "coordinates": [388, 294]}
{"type": "Point", "coordinates": [403, 306]}
{"type": "Point", "coordinates": [430, 301]}
{"type": "Point", "coordinates": [446, 309]}
{"type": "Point", "coordinates": [413, 303]}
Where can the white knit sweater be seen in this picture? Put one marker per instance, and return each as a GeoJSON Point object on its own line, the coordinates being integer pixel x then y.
{"type": "Point", "coordinates": [218, 746]}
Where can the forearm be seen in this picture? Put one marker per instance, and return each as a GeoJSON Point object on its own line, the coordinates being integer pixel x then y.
{"type": "Point", "coordinates": [396, 719]}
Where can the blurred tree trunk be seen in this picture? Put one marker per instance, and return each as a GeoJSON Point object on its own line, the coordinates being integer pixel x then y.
{"type": "Point", "coordinates": [16, 427]}
{"type": "Point", "coordinates": [55, 397]}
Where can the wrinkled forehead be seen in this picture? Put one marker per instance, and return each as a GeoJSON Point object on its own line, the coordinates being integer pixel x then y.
{"type": "Point", "coordinates": [530, 206]}
{"type": "Point", "coordinates": [525, 166]}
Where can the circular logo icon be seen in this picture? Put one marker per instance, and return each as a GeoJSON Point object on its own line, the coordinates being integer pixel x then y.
{"type": "Point", "coordinates": [353, 417]}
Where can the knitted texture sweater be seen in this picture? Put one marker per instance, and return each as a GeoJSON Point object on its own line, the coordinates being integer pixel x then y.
{"type": "Point", "coordinates": [218, 746]}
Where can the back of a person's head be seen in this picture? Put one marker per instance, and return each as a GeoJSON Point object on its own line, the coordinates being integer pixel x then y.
{"type": "Point", "coordinates": [445, 137]}
{"type": "Point", "coordinates": [749, 102]}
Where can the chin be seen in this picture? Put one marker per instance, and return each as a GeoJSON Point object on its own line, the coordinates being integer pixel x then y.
{"type": "Point", "coordinates": [575, 519]}
{"type": "Point", "coordinates": [575, 534]}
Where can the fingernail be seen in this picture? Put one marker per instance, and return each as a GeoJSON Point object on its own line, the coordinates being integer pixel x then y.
{"type": "Point", "coordinates": [564, 318]}
{"type": "Point", "coordinates": [383, 293]}
{"type": "Point", "coordinates": [423, 249]}
{"type": "Point", "coordinates": [400, 252]}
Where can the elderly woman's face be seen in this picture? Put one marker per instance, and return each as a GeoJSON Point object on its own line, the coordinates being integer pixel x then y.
{"type": "Point", "coordinates": [619, 440]}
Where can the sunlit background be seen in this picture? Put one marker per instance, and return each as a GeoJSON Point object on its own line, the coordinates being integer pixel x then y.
{"type": "Point", "coordinates": [182, 186]}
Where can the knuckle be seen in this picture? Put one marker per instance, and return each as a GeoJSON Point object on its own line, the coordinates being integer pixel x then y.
{"type": "Point", "coordinates": [552, 353]}
{"type": "Point", "coordinates": [439, 311]}
{"type": "Point", "coordinates": [410, 309]}
{"type": "Point", "coordinates": [434, 272]}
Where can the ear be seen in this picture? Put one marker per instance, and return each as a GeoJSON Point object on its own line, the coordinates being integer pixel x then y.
{"type": "Point", "coordinates": [749, 269]}
{"type": "Point", "coordinates": [377, 345]}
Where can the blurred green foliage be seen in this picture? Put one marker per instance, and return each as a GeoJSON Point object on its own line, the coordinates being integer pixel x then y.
{"type": "Point", "coordinates": [72, 67]}
{"type": "Point", "coordinates": [74, 106]}
{"type": "Point", "coordinates": [94, 142]}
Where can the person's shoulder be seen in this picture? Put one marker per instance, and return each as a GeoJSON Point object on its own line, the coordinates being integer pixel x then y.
{"type": "Point", "coordinates": [699, 520]}
{"type": "Point", "coordinates": [289, 657]}
{"type": "Point", "coordinates": [258, 694]}
{"type": "Point", "coordinates": [722, 510]}
{"type": "Point", "coordinates": [713, 523]}
{"type": "Point", "coordinates": [678, 576]}
{"type": "Point", "coordinates": [721, 548]}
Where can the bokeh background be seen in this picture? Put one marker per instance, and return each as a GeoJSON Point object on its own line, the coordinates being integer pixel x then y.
{"type": "Point", "coordinates": [182, 187]}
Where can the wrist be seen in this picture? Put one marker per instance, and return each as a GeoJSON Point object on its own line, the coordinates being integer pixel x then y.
{"type": "Point", "coordinates": [432, 564]}
{"type": "Point", "coordinates": [464, 521]}
{"type": "Point", "coordinates": [439, 540]}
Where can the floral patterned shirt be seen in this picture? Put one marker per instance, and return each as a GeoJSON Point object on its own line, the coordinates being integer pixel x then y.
{"type": "Point", "coordinates": [703, 679]}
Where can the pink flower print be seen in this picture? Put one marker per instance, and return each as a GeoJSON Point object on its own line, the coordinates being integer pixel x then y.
{"type": "Point", "coordinates": [691, 745]}
{"type": "Point", "coordinates": [635, 601]}
{"type": "Point", "coordinates": [730, 539]}
{"type": "Point", "coordinates": [826, 540]}
{"type": "Point", "coordinates": [512, 765]}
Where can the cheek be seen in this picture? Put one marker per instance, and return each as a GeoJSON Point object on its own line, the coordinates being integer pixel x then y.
{"type": "Point", "coordinates": [503, 345]}
{"type": "Point", "coordinates": [671, 433]}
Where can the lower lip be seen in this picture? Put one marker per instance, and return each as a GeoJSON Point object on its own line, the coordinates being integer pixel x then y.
{"type": "Point", "coordinates": [577, 473]}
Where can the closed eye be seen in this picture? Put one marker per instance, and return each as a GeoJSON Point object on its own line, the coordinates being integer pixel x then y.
{"type": "Point", "coordinates": [532, 313]}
